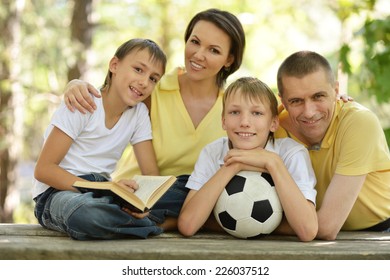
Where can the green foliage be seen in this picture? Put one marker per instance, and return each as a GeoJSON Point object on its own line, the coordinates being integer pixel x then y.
{"type": "Point", "coordinates": [345, 65]}
{"type": "Point", "coordinates": [376, 64]}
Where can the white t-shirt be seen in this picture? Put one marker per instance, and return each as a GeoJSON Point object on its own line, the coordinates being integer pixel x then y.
{"type": "Point", "coordinates": [95, 148]}
{"type": "Point", "coordinates": [294, 155]}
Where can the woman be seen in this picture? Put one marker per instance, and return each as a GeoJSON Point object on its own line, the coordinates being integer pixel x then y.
{"type": "Point", "coordinates": [186, 106]}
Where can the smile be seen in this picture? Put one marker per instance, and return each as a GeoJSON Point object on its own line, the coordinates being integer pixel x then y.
{"type": "Point", "coordinates": [135, 91]}
{"type": "Point", "coordinates": [197, 66]}
{"type": "Point", "coordinates": [245, 134]}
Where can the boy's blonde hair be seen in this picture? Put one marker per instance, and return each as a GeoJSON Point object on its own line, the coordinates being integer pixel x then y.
{"type": "Point", "coordinates": [254, 90]}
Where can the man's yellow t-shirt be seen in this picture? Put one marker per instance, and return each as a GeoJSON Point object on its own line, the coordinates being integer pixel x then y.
{"type": "Point", "coordinates": [354, 145]}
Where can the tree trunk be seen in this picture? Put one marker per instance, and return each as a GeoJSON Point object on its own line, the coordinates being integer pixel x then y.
{"type": "Point", "coordinates": [11, 103]}
{"type": "Point", "coordinates": [81, 37]}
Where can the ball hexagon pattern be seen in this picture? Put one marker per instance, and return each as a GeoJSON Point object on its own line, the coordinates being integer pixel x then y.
{"type": "Point", "coordinates": [249, 205]}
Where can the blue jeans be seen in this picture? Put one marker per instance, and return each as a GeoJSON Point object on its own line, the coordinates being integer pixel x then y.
{"type": "Point", "coordinates": [85, 216]}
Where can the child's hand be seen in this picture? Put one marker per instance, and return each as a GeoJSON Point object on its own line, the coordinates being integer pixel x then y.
{"type": "Point", "coordinates": [130, 184]}
{"type": "Point", "coordinates": [136, 215]}
{"type": "Point", "coordinates": [133, 186]}
{"type": "Point", "coordinates": [250, 160]}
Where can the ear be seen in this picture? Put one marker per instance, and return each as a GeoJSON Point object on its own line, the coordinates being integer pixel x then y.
{"type": "Point", "coordinates": [274, 124]}
{"type": "Point", "coordinates": [229, 61]}
{"type": "Point", "coordinates": [223, 123]}
{"type": "Point", "coordinates": [336, 87]}
{"type": "Point", "coordinates": [282, 101]}
{"type": "Point", "coordinates": [113, 65]}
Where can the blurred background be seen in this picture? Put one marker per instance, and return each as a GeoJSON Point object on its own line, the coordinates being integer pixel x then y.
{"type": "Point", "coordinates": [46, 43]}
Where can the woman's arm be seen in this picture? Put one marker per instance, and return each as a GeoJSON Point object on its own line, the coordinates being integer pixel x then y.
{"type": "Point", "coordinates": [47, 169]}
{"type": "Point", "coordinates": [77, 95]}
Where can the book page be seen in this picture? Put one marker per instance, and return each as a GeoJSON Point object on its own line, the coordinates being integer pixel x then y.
{"type": "Point", "coordinates": [148, 184]}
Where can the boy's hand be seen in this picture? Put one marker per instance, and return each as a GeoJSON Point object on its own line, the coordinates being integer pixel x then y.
{"type": "Point", "coordinates": [136, 215]}
{"type": "Point", "coordinates": [130, 184]}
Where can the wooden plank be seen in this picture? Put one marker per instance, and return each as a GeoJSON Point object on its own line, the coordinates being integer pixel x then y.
{"type": "Point", "coordinates": [19, 242]}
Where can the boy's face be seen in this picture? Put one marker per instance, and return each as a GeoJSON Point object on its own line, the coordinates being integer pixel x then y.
{"type": "Point", "coordinates": [135, 76]}
{"type": "Point", "coordinates": [247, 122]}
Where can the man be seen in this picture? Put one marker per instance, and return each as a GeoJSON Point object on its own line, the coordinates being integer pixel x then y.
{"type": "Point", "coordinates": [347, 147]}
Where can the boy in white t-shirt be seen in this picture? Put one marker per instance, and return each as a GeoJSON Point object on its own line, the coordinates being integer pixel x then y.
{"type": "Point", "coordinates": [88, 146]}
{"type": "Point", "coordinates": [250, 117]}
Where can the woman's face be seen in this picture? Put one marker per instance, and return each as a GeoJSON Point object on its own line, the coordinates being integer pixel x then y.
{"type": "Point", "coordinates": [207, 50]}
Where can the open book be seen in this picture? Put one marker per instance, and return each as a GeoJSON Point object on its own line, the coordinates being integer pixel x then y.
{"type": "Point", "coordinates": [150, 189]}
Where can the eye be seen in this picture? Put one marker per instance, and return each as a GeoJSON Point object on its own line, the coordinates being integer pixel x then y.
{"type": "Point", "coordinates": [137, 69]}
{"type": "Point", "coordinates": [295, 101]}
{"type": "Point", "coordinates": [234, 112]}
{"type": "Point", "coordinates": [215, 51]}
{"type": "Point", "coordinates": [154, 79]}
{"type": "Point", "coordinates": [194, 41]}
{"type": "Point", "coordinates": [257, 113]}
{"type": "Point", "coordinates": [319, 96]}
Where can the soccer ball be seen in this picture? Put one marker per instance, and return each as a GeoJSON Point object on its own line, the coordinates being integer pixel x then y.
{"type": "Point", "coordinates": [249, 205]}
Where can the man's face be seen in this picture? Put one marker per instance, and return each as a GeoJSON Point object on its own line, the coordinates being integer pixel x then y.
{"type": "Point", "coordinates": [310, 102]}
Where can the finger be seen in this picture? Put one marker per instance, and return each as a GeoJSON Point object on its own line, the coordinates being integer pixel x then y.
{"type": "Point", "coordinates": [85, 99]}
{"type": "Point", "coordinates": [68, 104]}
{"type": "Point", "coordinates": [93, 90]}
{"type": "Point", "coordinates": [74, 103]}
{"type": "Point", "coordinates": [140, 215]}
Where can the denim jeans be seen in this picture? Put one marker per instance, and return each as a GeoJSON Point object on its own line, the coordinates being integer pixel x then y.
{"type": "Point", "coordinates": [85, 216]}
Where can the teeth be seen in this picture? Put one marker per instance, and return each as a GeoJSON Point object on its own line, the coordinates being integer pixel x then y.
{"type": "Point", "coordinates": [135, 90]}
{"type": "Point", "coordinates": [196, 65]}
{"type": "Point", "coordinates": [242, 134]}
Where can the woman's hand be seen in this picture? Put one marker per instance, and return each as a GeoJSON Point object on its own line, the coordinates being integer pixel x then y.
{"type": "Point", "coordinates": [345, 98]}
{"type": "Point", "coordinates": [77, 95]}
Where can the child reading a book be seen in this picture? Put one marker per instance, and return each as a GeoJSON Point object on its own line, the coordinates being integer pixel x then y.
{"type": "Point", "coordinates": [87, 147]}
{"type": "Point", "coordinates": [250, 117]}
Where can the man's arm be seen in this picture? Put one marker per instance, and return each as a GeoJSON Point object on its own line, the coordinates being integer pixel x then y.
{"type": "Point", "coordinates": [337, 204]}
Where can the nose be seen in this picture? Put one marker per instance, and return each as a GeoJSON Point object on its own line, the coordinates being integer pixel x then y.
{"type": "Point", "coordinates": [200, 54]}
{"type": "Point", "coordinates": [309, 110]}
{"type": "Point", "coordinates": [143, 81]}
{"type": "Point", "coordinates": [244, 120]}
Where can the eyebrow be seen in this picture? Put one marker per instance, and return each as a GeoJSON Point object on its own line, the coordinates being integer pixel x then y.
{"type": "Point", "coordinates": [214, 46]}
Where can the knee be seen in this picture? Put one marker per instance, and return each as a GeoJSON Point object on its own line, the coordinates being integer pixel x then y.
{"type": "Point", "coordinates": [91, 220]}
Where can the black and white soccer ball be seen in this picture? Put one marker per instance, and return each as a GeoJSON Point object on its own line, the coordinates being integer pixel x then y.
{"type": "Point", "coordinates": [249, 205]}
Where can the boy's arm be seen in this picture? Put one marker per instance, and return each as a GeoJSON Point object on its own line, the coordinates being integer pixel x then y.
{"type": "Point", "coordinates": [299, 212]}
{"type": "Point", "coordinates": [47, 169]}
{"type": "Point", "coordinates": [77, 95]}
{"type": "Point", "coordinates": [146, 158]}
{"type": "Point", "coordinates": [337, 204]}
{"type": "Point", "coordinates": [198, 205]}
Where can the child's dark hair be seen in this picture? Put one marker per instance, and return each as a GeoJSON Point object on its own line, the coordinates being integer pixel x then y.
{"type": "Point", "coordinates": [254, 90]}
{"type": "Point", "coordinates": [229, 24]}
{"type": "Point", "coordinates": [137, 44]}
